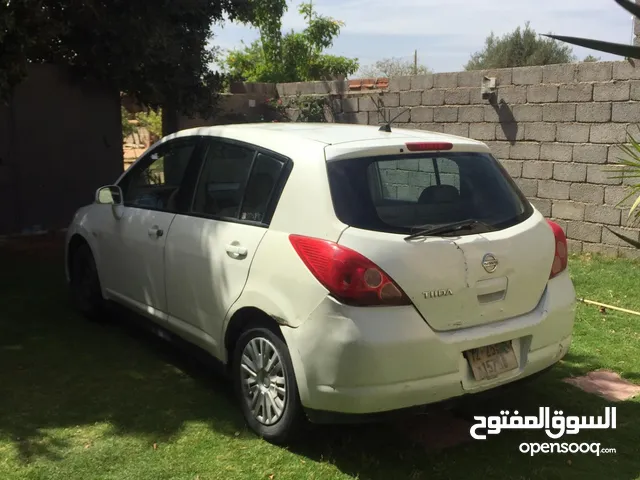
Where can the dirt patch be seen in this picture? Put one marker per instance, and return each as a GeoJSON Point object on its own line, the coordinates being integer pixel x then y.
{"type": "Point", "coordinates": [606, 384]}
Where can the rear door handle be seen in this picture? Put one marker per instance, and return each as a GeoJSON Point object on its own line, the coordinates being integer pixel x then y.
{"type": "Point", "coordinates": [155, 231]}
{"type": "Point", "coordinates": [236, 250]}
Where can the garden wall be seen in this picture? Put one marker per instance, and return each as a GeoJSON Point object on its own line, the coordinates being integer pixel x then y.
{"type": "Point", "coordinates": [555, 128]}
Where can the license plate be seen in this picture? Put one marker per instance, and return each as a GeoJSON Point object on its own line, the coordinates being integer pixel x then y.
{"type": "Point", "coordinates": [490, 361]}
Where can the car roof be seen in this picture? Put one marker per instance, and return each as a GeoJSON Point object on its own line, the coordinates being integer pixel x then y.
{"type": "Point", "coordinates": [325, 133]}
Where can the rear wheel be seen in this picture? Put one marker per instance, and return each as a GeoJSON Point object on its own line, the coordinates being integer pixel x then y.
{"type": "Point", "coordinates": [85, 284]}
{"type": "Point", "coordinates": [265, 385]}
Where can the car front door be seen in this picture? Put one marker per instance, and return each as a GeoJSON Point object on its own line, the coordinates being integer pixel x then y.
{"type": "Point", "coordinates": [132, 240]}
{"type": "Point", "coordinates": [209, 250]}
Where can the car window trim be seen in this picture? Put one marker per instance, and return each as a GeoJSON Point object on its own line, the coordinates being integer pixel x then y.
{"type": "Point", "coordinates": [134, 168]}
{"type": "Point", "coordinates": [275, 194]}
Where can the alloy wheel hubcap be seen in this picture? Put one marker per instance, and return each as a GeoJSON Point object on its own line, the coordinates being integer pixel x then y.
{"type": "Point", "coordinates": [263, 382]}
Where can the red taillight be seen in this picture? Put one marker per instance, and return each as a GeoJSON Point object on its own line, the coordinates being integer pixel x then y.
{"type": "Point", "coordinates": [428, 146]}
{"type": "Point", "coordinates": [350, 277]}
{"type": "Point", "coordinates": [562, 253]}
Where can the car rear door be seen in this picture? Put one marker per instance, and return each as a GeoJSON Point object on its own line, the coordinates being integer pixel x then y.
{"type": "Point", "coordinates": [210, 248]}
{"type": "Point", "coordinates": [468, 278]}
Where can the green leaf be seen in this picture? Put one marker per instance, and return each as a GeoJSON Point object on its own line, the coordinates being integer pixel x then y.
{"type": "Point", "coordinates": [624, 238]}
{"type": "Point", "coordinates": [608, 47]}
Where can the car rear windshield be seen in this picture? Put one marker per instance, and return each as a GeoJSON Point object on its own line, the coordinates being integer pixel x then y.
{"type": "Point", "coordinates": [399, 194]}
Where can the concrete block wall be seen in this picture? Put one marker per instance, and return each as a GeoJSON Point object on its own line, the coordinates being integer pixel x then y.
{"type": "Point", "coordinates": [555, 128]}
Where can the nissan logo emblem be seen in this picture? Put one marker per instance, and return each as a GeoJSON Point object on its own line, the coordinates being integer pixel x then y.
{"type": "Point", "coordinates": [490, 263]}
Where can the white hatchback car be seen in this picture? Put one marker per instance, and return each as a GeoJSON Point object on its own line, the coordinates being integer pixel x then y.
{"type": "Point", "coordinates": [333, 269]}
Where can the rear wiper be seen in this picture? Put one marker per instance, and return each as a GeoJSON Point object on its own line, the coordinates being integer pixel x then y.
{"type": "Point", "coordinates": [448, 228]}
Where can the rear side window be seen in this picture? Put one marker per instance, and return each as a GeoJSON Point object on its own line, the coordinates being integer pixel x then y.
{"type": "Point", "coordinates": [402, 193]}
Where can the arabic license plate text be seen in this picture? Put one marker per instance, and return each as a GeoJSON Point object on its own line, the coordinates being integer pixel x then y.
{"type": "Point", "coordinates": [490, 361]}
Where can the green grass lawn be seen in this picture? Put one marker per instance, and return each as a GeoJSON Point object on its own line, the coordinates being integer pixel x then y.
{"type": "Point", "coordinates": [87, 401]}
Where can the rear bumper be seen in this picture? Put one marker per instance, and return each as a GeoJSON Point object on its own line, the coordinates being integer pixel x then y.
{"type": "Point", "coordinates": [369, 360]}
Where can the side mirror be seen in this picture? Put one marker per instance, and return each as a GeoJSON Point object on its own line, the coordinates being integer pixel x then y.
{"type": "Point", "coordinates": [109, 195]}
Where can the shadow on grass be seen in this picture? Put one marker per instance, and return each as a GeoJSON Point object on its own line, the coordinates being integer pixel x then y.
{"type": "Point", "coordinates": [59, 371]}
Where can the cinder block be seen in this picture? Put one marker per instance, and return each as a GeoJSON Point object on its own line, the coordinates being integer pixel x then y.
{"type": "Point", "coordinates": [398, 84]}
{"type": "Point", "coordinates": [602, 214]}
{"type": "Point", "coordinates": [583, 192]}
{"type": "Point", "coordinates": [610, 239]}
{"type": "Point", "coordinates": [590, 153]}
{"type": "Point", "coordinates": [289, 89]}
{"type": "Point", "coordinates": [600, 249]}
{"type": "Point", "coordinates": [537, 169]}
{"type": "Point", "coordinates": [629, 253]}
{"type": "Point", "coordinates": [470, 79]}
{"type": "Point", "coordinates": [359, 118]}
{"type": "Point", "coordinates": [430, 127]}
{"type": "Point", "coordinates": [625, 70]}
{"type": "Point", "coordinates": [615, 195]}
{"type": "Point", "coordinates": [558, 152]}
{"type": "Point", "coordinates": [611, 92]}
{"type": "Point", "coordinates": [626, 113]}
{"type": "Point", "coordinates": [499, 149]}
{"type": "Point", "coordinates": [503, 76]}
{"type": "Point", "coordinates": [445, 80]}
{"type": "Point", "coordinates": [542, 94]}
{"type": "Point", "coordinates": [597, 174]}
{"type": "Point", "coordinates": [525, 151]}
{"type": "Point", "coordinates": [560, 112]}
{"type": "Point", "coordinates": [402, 114]}
{"type": "Point", "coordinates": [482, 131]}
{"type": "Point", "coordinates": [471, 114]}
{"type": "Point", "coordinates": [306, 88]}
{"type": "Point", "coordinates": [579, 92]}
{"type": "Point", "coordinates": [587, 232]}
{"type": "Point", "coordinates": [391, 99]}
{"type": "Point", "coordinates": [566, 73]}
{"type": "Point", "coordinates": [527, 75]}
{"type": "Point", "coordinates": [635, 90]}
{"type": "Point", "coordinates": [433, 97]}
{"type": "Point", "coordinates": [457, 96]}
{"type": "Point", "coordinates": [513, 167]}
{"type": "Point", "coordinates": [594, 112]}
{"type": "Point", "coordinates": [459, 129]}
{"type": "Point", "coordinates": [368, 103]}
{"type": "Point", "coordinates": [608, 133]}
{"type": "Point", "coordinates": [422, 115]}
{"type": "Point", "coordinates": [422, 82]}
{"type": "Point", "coordinates": [350, 104]}
{"type": "Point", "coordinates": [575, 133]}
{"type": "Point", "coordinates": [595, 71]}
{"type": "Point", "coordinates": [574, 246]}
{"type": "Point", "coordinates": [445, 114]}
{"type": "Point", "coordinates": [540, 132]}
{"type": "Point", "coordinates": [375, 118]}
{"type": "Point", "coordinates": [511, 132]}
{"type": "Point", "coordinates": [570, 172]}
{"type": "Point", "coordinates": [491, 113]}
{"type": "Point", "coordinates": [410, 98]}
{"type": "Point", "coordinates": [528, 186]}
{"type": "Point", "coordinates": [543, 206]}
{"type": "Point", "coordinates": [527, 113]}
{"type": "Point", "coordinates": [553, 189]}
{"type": "Point", "coordinates": [512, 95]}
{"type": "Point", "coordinates": [567, 210]}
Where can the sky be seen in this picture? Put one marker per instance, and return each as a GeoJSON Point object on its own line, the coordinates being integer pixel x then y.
{"type": "Point", "coordinates": [446, 32]}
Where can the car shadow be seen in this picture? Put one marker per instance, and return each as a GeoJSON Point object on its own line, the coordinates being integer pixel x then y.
{"type": "Point", "coordinates": [60, 371]}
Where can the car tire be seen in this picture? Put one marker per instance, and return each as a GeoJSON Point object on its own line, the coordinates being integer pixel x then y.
{"type": "Point", "coordinates": [263, 417]}
{"type": "Point", "coordinates": [86, 292]}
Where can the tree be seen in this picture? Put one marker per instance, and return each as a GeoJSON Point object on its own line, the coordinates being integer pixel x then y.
{"type": "Point", "coordinates": [393, 67]}
{"type": "Point", "coordinates": [291, 57]}
{"type": "Point", "coordinates": [591, 58]}
{"type": "Point", "coordinates": [157, 54]}
{"type": "Point", "coordinates": [520, 48]}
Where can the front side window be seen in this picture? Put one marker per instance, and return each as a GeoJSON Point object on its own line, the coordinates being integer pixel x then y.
{"type": "Point", "coordinates": [400, 194]}
{"type": "Point", "coordinates": [222, 181]}
{"type": "Point", "coordinates": [155, 181]}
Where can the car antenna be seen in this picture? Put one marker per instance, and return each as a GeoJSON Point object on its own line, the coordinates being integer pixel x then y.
{"type": "Point", "coordinates": [387, 126]}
